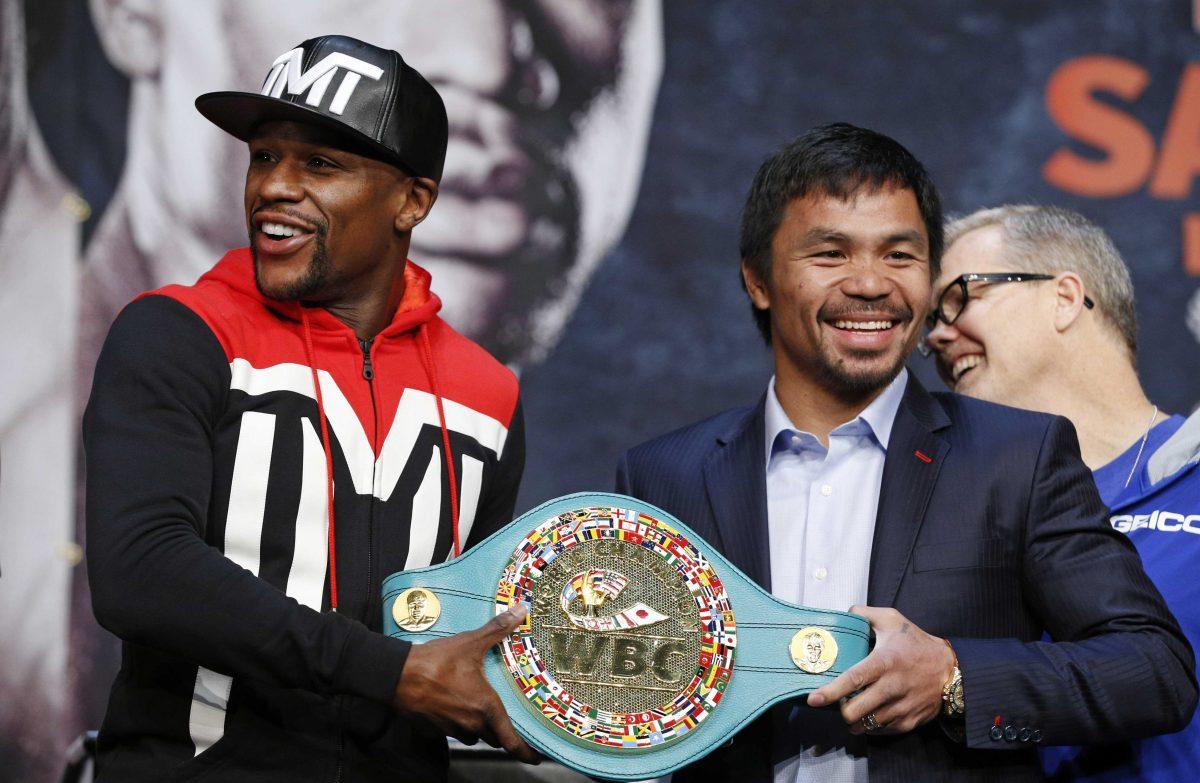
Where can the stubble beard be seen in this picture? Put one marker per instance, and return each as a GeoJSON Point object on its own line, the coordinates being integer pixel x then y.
{"type": "Point", "coordinates": [842, 374]}
{"type": "Point", "coordinates": [317, 275]}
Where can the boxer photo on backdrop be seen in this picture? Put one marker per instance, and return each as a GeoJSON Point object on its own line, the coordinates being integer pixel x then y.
{"type": "Point", "coordinates": [963, 530]}
{"type": "Point", "coordinates": [263, 447]}
{"type": "Point", "coordinates": [549, 104]}
{"type": "Point", "coordinates": [1034, 308]}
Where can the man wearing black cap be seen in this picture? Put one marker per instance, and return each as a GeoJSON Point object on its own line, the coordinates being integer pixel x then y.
{"type": "Point", "coordinates": [265, 446]}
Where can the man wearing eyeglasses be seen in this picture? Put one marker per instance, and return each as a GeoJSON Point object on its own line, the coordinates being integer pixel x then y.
{"type": "Point", "coordinates": [1034, 308]}
{"type": "Point", "coordinates": [962, 530]}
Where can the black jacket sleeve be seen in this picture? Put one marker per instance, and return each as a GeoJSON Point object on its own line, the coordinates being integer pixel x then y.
{"type": "Point", "coordinates": [496, 508]}
{"type": "Point", "coordinates": [1119, 666]}
{"type": "Point", "coordinates": [158, 392]}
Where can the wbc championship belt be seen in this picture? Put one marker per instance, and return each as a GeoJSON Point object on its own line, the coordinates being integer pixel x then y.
{"type": "Point", "coordinates": [644, 648]}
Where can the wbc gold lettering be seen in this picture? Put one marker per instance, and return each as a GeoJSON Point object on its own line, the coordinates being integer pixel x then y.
{"type": "Point", "coordinates": [580, 654]}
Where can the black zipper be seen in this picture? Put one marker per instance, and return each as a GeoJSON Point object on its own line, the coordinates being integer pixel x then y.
{"type": "Point", "coordinates": [368, 370]}
{"type": "Point", "coordinates": [369, 374]}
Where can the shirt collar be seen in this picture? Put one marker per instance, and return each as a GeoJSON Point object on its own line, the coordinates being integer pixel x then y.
{"type": "Point", "coordinates": [878, 417]}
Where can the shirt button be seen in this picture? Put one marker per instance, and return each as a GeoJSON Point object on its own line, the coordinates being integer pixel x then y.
{"type": "Point", "coordinates": [826, 490]}
{"type": "Point", "coordinates": [795, 440]}
{"type": "Point", "coordinates": [821, 573]}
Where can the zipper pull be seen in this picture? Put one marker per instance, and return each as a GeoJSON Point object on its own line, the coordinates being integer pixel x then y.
{"type": "Point", "coordinates": [368, 371]}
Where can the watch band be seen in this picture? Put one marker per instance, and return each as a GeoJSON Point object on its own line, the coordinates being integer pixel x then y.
{"type": "Point", "coordinates": [952, 691]}
{"type": "Point", "coordinates": [644, 648]}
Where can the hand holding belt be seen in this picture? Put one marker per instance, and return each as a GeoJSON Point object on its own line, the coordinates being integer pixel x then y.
{"type": "Point", "coordinates": [644, 648]}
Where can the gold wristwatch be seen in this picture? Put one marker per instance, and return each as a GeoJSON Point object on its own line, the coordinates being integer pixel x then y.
{"type": "Point", "coordinates": [953, 705]}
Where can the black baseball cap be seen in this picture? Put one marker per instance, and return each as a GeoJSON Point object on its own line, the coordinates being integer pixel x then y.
{"type": "Point", "coordinates": [369, 94]}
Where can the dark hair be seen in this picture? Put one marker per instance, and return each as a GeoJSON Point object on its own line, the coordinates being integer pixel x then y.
{"type": "Point", "coordinates": [838, 159]}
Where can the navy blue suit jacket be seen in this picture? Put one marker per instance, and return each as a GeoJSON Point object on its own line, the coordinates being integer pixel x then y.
{"type": "Point", "coordinates": [993, 539]}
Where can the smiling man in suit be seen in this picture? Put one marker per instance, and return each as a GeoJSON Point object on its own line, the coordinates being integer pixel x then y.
{"type": "Point", "coordinates": [964, 531]}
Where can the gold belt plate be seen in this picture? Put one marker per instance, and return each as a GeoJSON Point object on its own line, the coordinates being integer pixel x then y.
{"type": "Point", "coordinates": [630, 637]}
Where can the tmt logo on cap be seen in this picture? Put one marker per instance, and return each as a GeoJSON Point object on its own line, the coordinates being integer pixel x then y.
{"type": "Point", "coordinates": [286, 74]}
{"type": "Point", "coordinates": [379, 103]}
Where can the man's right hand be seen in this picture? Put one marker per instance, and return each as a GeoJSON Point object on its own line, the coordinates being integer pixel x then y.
{"type": "Point", "coordinates": [443, 682]}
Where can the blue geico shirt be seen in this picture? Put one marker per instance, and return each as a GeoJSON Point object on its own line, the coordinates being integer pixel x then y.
{"type": "Point", "coordinates": [1163, 520]}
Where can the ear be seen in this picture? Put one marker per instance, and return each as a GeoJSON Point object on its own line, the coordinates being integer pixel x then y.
{"type": "Point", "coordinates": [131, 33]}
{"type": "Point", "coordinates": [1068, 300]}
{"type": "Point", "coordinates": [419, 198]}
{"type": "Point", "coordinates": [756, 287]}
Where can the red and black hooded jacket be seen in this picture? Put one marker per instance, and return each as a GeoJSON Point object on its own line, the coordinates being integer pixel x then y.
{"type": "Point", "coordinates": [219, 426]}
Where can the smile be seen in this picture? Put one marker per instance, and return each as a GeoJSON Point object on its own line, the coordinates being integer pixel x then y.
{"type": "Point", "coordinates": [865, 333]}
{"type": "Point", "coordinates": [279, 234]}
{"type": "Point", "coordinates": [963, 364]}
{"type": "Point", "coordinates": [865, 326]}
{"type": "Point", "coordinates": [280, 231]}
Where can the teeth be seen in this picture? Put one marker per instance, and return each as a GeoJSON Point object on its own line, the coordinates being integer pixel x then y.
{"type": "Point", "coordinates": [864, 326]}
{"type": "Point", "coordinates": [279, 230]}
{"type": "Point", "coordinates": [965, 363]}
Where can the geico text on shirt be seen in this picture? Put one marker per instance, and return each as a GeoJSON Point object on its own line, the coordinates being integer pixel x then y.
{"type": "Point", "coordinates": [1162, 521]}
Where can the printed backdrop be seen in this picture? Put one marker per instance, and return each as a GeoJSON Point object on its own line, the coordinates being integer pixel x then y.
{"type": "Point", "coordinates": [587, 227]}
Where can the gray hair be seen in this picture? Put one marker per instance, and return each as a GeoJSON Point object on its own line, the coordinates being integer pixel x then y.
{"type": "Point", "coordinates": [1054, 240]}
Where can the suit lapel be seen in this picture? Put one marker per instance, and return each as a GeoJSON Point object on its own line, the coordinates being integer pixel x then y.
{"type": "Point", "coordinates": [914, 459]}
{"type": "Point", "coordinates": [736, 482]}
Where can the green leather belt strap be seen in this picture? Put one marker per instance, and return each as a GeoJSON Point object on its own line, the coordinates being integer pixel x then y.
{"type": "Point", "coordinates": [644, 649]}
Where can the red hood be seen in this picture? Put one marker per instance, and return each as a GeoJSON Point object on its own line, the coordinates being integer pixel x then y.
{"type": "Point", "coordinates": [418, 306]}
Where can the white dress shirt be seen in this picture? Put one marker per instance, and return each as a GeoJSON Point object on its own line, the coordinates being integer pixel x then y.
{"type": "Point", "coordinates": [821, 506]}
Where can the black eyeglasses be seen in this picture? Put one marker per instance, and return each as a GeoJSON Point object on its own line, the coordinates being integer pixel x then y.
{"type": "Point", "coordinates": [955, 297]}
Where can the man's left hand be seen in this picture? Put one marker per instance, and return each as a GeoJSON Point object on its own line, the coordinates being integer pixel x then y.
{"type": "Point", "coordinates": [900, 682]}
